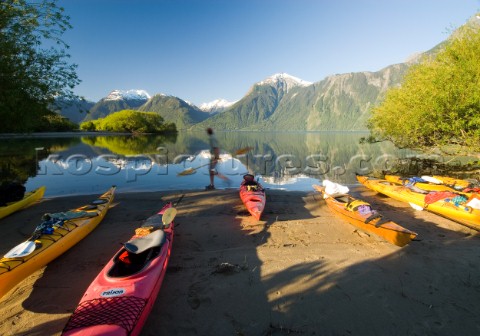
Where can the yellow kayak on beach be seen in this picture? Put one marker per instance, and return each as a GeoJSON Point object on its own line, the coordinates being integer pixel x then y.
{"type": "Point", "coordinates": [29, 198]}
{"type": "Point", "coordinates": [55, 235]}
{"type": "Point", "coordinates": [419, 183]}
{"type": "Point", "coordinates": [462, 208]}
{"type": "Point", "coordinates": [452, 182]}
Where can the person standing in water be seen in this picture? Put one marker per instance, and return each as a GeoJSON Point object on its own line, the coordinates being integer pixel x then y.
{"type": "Point", "coordinates": [214, 157]}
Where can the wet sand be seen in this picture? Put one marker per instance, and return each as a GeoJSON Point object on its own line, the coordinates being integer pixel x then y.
{"type": "Point", "coordinates": [300, 270]}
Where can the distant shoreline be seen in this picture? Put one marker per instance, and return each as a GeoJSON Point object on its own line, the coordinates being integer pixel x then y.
{"type": "Point", "coordinates": [90, 133]}
{"type": "Point", "coordinates": [56, 134]}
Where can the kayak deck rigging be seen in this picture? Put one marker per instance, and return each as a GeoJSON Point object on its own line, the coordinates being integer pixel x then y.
{"type": "Point", "coordinates": [123, 311]}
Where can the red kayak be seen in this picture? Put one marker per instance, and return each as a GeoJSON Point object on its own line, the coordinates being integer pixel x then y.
{"type": "Point", "coordinates": [121, 297]}
{"type": "Point", "coordinates": [253, 196]}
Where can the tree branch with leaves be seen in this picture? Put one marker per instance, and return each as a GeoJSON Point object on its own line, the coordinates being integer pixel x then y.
{"type": "Point", "coordinates": [34, 63]}
{"type": "Point", "coordinates": [438, 103]}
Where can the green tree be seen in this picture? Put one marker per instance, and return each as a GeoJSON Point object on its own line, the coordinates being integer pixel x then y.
{"type": "Point", "coordinates": [130, 121]}
{"type": "Point", "coordinates": [438, 103]}
{"type": "Point", "coordinates": [34, 67]}
{"type": "Point", "coordinates": [88, 126]}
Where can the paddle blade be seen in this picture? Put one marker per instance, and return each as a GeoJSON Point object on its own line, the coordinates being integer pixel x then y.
{"type": "Point", "coordinates": [188, 171]}
{"type": "Point", "coordinates": [243, 150]}
{"type": "Point", "coordinates": [415, 206]}
{"type": "Point", "coordinates": [169, 215]}
{"type": "Point", "coordinates": [21, 250]}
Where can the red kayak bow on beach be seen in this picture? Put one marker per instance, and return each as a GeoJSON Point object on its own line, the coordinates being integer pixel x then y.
{"type": "Point", "coordinates": [253, 196]}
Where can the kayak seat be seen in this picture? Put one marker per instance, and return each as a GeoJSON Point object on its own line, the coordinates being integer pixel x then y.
{"type": "Point", "coordinates": [126, 263]}
{"type": "Point", "coordinates": [136, 254]}
{"type": "Point", "coordinates": [249, 177]}
{"type": "Point", "coordinates": [141, 244]}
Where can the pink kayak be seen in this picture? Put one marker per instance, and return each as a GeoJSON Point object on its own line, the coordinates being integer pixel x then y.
{"type": "Point", "coordinates": [253, 196]}
{"type": "Point", "coordinates": [120, 298]}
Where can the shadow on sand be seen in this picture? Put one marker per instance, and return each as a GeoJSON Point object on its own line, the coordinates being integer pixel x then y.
{"type": "Point", "coordinates": [299, 270]}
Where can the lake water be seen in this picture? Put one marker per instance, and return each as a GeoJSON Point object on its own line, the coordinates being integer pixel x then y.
{"type": "Point", "coordinates": [74, 165]}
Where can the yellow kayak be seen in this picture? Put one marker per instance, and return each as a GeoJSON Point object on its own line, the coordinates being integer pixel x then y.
{"type": "Point", "coordinates": [349, 209]}
{"type": "Point", "coordinates": [51, 238]}
{"type": "Point", "coordinates": [462, 208]}
{"type": "Point", "coordinates": [452, 182]}
{"type": "Point", "coordinates": [30, 198]}
{"type": "Point", "coordinates": [425, 185]}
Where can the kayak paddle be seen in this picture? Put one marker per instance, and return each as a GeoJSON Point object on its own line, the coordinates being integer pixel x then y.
{"type": "Point", "coordinates": [243, 150]}
{"type": "Point", "coordinates": [191, 170]}
{"type": "Point", "coordinates": [21, 250]}
{"type": "Point", "coordinates": [169, 215]}
{"type": "Point", "coordinates": [415, 206]}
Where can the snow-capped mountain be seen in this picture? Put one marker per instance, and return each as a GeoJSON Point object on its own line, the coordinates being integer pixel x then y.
{"type": "Point", "coordinates": [216, 106]}
{"type": "Point", "coordinates": [128, 95]}
{"type": "Point", "coordinates": [284, 80]}
{"type": "Point", "coordinates": [118, 100]}
{"type": "Point", "coordinates": [174, 109]}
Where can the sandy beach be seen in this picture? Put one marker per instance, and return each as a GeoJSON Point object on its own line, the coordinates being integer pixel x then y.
{"type": "Point", "coordinates": [300, 270]}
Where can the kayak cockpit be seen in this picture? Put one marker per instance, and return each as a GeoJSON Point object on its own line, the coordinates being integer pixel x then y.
{"type": "Point", "coordinates": [136, 254]}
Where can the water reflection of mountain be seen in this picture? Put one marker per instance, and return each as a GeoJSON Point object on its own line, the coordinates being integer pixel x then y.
{"type": "Point", "coordinates": [334, 155]}
{"type": "Point", "coordinates": [283, 156]}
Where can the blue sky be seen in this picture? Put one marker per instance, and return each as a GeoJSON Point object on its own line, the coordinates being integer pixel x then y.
{"type": "Point", "coordinates": [202, 50]}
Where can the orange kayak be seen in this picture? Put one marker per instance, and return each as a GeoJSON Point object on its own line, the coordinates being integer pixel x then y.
{"type": "Point", "coordinates": [253, 196]}
{"type": "Point", "coordinates": [360, 214]}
